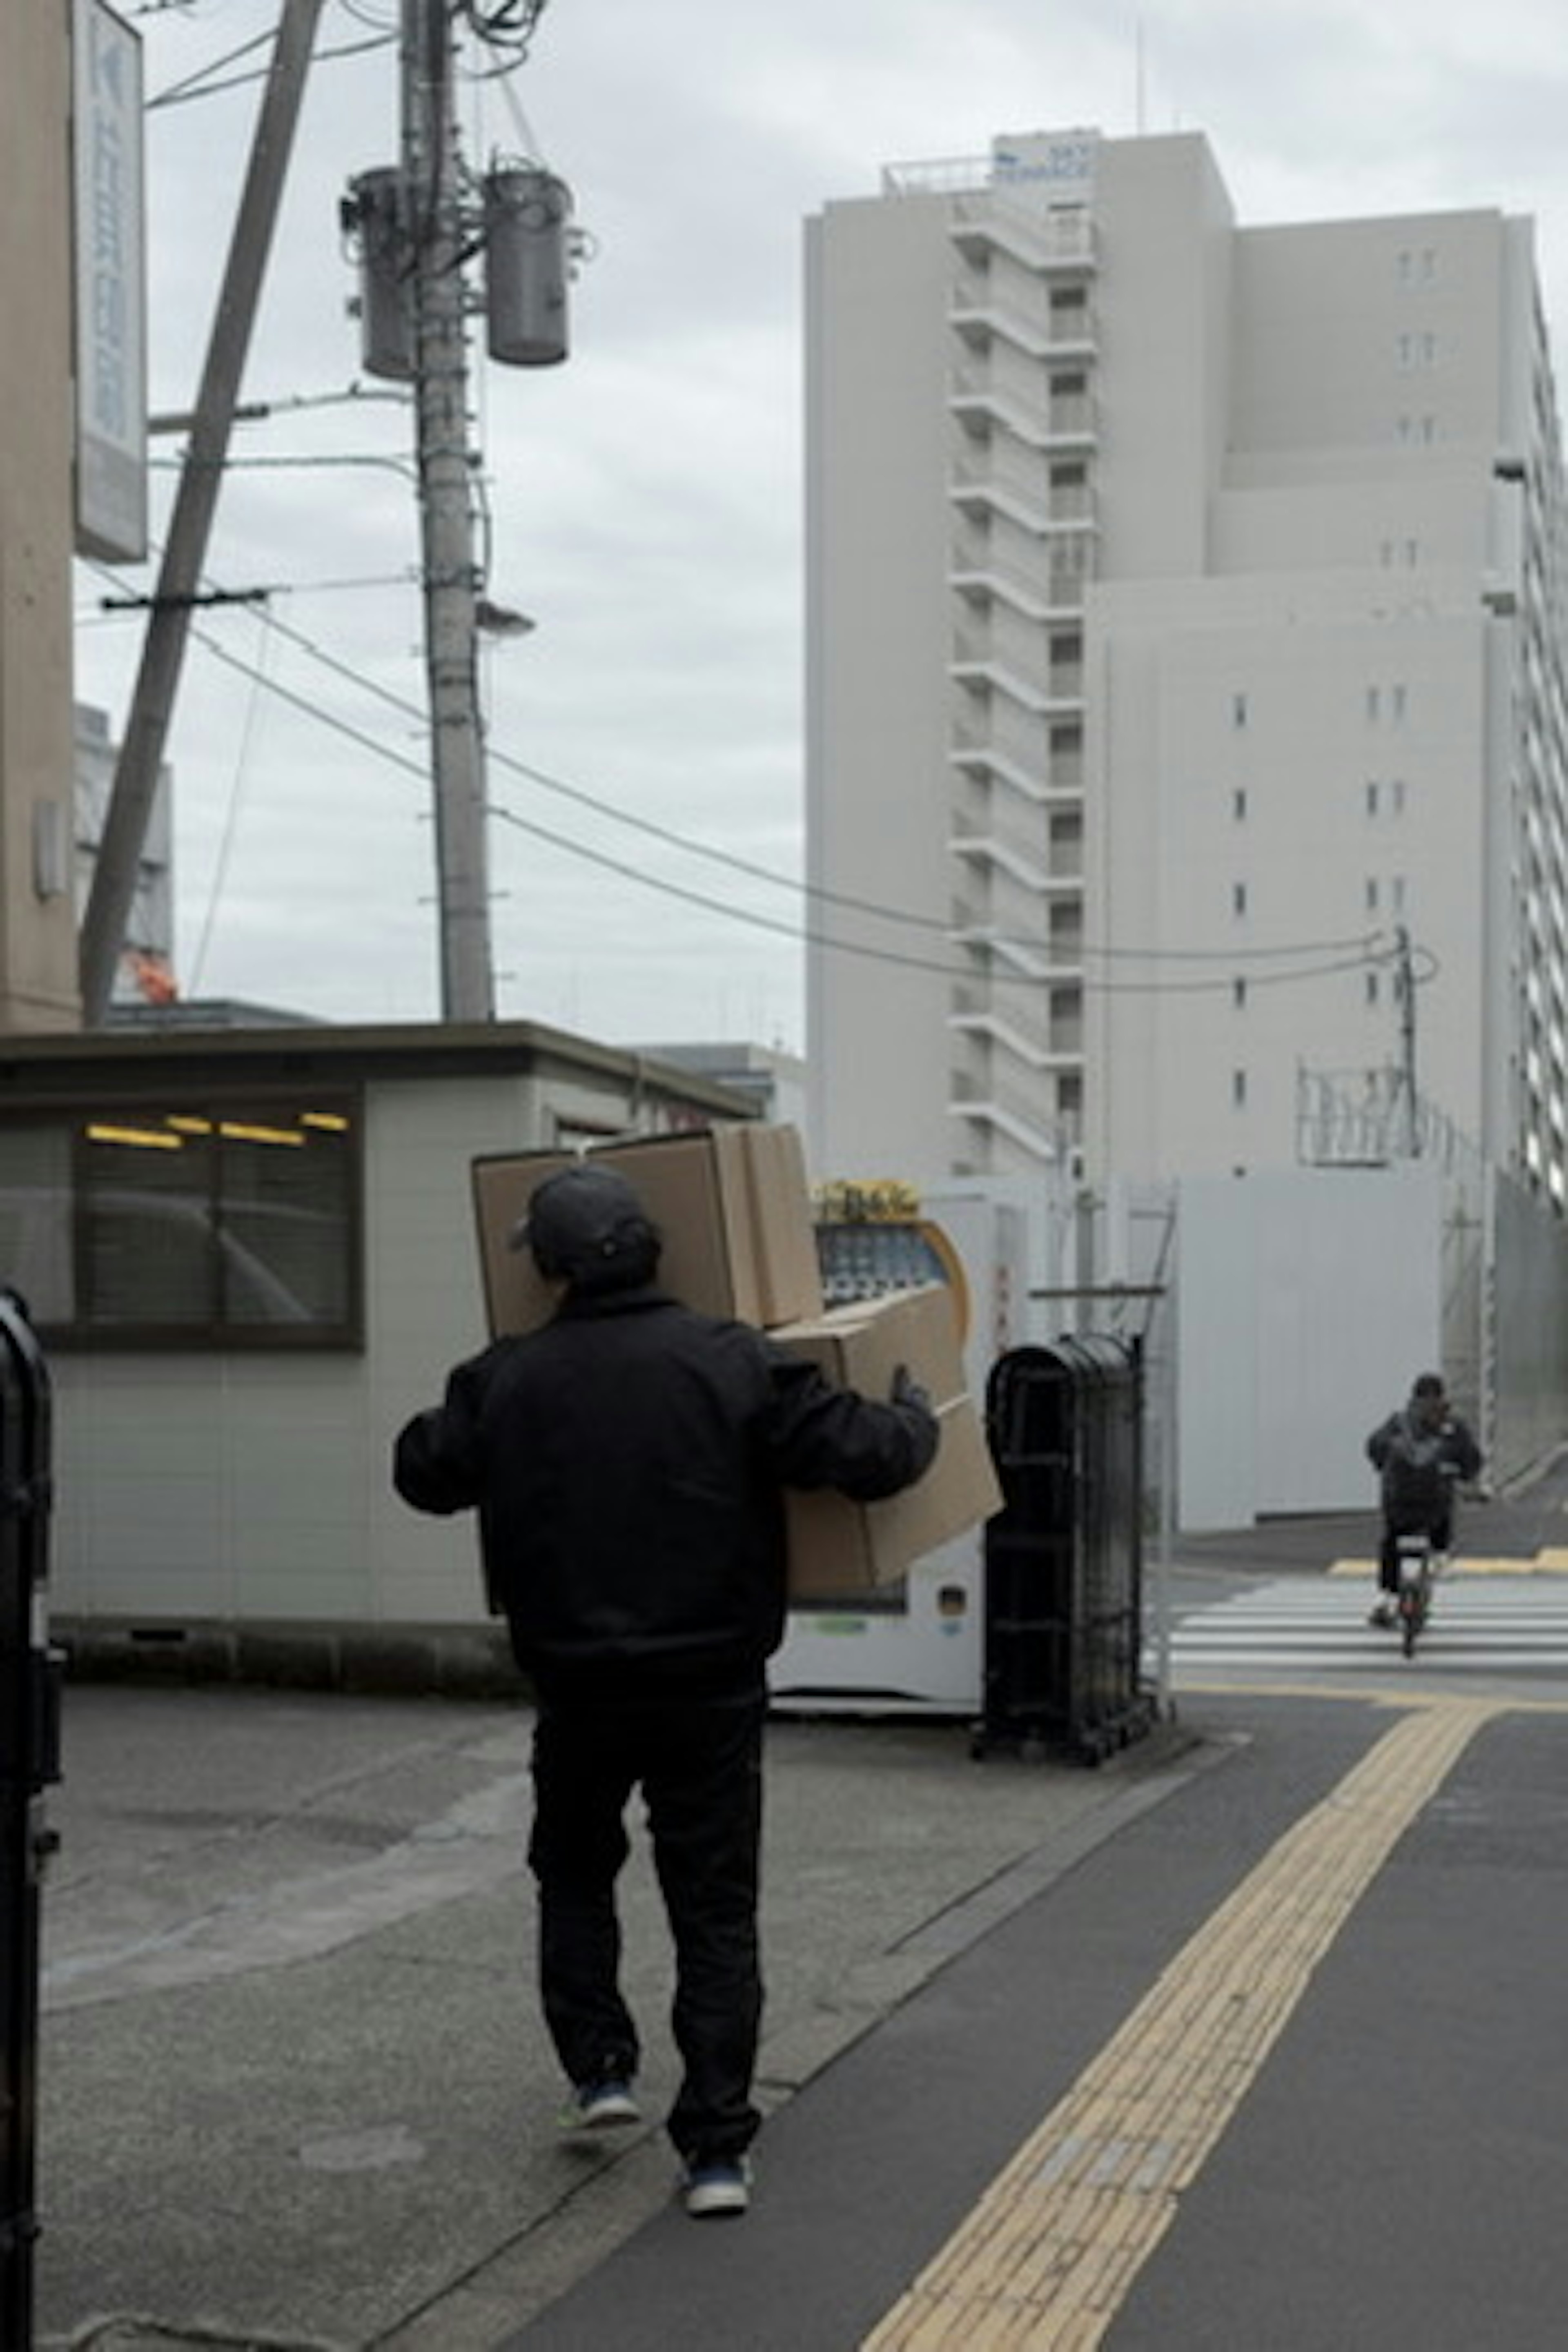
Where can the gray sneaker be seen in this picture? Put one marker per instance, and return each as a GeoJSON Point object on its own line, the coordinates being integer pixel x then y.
{"type": "Point", "coordinates": [601, 2107]}
{"type": "Point", "coordinates": [716, 2187]}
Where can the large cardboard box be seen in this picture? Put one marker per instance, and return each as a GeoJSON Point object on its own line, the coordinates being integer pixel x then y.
{"type": "Point", "coordinates": [732, 1203]}
{"type": "Point", "coordinates": [839, 1549]}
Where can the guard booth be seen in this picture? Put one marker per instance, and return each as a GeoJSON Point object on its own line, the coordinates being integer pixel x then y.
{"type": "Point", "coordinates": [1063, 1624]}
{"type": "Point", "coordinates": [30, 1750]}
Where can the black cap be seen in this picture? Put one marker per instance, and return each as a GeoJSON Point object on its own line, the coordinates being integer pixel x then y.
{"type": "Point", "coordinates": [587, 1226]}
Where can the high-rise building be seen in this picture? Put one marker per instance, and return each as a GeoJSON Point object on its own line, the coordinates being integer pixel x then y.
{"type": "Point", "coordinates": [1187, 685]}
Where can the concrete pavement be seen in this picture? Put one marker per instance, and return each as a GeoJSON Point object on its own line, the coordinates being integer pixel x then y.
{"type": "Point", "coordinates": [294, 2090]}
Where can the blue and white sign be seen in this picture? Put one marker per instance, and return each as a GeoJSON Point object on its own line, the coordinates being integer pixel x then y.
{"type": "Point", "coordinates": [109, 238]}
{"type": "Point", "coordinates": [1059, 163]}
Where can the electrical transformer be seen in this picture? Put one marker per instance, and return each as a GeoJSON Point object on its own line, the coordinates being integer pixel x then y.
{"type": "Point", "coordinates": [528, 256]}
{"type": "Point", "coordinates": [388, 335]}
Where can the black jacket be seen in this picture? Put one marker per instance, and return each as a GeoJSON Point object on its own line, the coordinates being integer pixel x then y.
{"type": "Point", "coordinates": [1419, 1461]}
{"type": "Point", "coordinates": [627, 1461]}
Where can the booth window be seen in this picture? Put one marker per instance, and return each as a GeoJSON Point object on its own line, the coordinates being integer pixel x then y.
{"type": "Point", "coordinates": [202, 1223]}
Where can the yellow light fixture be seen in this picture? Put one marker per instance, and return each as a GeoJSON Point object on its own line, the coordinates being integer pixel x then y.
{"type": "Point", "coordinates": [141, 1139]}
{"type": "Point", "coordinates": [239, 1131]}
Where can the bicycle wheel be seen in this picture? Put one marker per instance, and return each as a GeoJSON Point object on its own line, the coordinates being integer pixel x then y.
{"type": "Point", "coordinates": [1412, 1615]}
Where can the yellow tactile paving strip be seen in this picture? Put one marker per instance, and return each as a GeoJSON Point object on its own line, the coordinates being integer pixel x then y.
{"type": "Point", "coordinates": [1553, 1561]}
{"type": "Point", "coordinates": [1049, 2254]}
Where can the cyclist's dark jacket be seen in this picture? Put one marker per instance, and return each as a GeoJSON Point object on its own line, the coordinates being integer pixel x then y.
{"type": "Point", "coordinates": [627, 1461]}
{"type": "Point", "coordinates": [1417, 1462]}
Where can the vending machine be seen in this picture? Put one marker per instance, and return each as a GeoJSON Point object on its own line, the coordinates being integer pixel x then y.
{"type": "Point", "coordinates": [917, 1647]}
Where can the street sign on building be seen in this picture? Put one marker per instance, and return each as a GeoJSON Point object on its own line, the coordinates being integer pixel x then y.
{"type": "Point", "coordinates": [110, 325]}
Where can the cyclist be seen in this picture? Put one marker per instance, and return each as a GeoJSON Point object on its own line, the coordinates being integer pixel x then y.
{"type": "Point", "coordinates": [1421, 1452]}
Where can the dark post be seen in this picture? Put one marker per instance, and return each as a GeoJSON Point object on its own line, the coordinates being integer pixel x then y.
{"type": "Point", "coordinates": [29, 1761]}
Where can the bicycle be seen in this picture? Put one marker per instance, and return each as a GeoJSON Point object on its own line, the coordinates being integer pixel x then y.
{"type": "Point", "coordinates": [1417, 1575]}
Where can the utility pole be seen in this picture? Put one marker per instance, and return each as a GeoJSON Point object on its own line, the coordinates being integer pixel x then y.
{"type": "Point", "coordinates": [433, 198]}
{"type": "Point", "coordinates": [163, 652]}
{"type": "Point", "coordinates": [1404, 986]}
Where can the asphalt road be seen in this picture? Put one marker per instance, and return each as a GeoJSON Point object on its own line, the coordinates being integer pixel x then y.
{"type": "Point", "coordinates": [1390, 2171]}
{"type": "Point", "coordinates": [1251, 2038]}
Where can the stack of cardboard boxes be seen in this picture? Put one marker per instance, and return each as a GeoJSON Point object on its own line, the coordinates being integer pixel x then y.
{"type": "Point", "coordinates": [734, 1211]}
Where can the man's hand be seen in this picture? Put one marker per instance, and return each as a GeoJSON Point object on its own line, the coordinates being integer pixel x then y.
{"type": "Point", "coordinates": [907, 1390]}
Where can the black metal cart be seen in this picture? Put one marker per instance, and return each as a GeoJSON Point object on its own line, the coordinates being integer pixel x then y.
{"type": "Point", "coordinates": [1063, 1624]}
{"type": "Point", "coordinates": [29, 1760]}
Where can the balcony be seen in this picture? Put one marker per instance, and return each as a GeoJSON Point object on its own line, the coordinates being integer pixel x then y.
{"type": "Point", "coordinates": [1059, 242]}
{"type": "Point", "coordinates": [1035, 1126]}
{"type": "Point", "coordinates": [974, 666]}
{"type": "Point", "coordinates": [1068, 424]}
{"type": "Point", "coordinates": [1010, 958]}
{"type": "Point", "coordinates": [1048, 872]}
{"type": "Point", "coordinates": [979, 314]}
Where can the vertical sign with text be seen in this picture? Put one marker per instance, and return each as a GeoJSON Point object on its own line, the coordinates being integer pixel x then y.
{"type": "Point", "coordinates": [109, 245]}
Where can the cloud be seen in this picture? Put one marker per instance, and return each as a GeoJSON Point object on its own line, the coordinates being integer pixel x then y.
{"type": "Point", "coordinates": [645, 501]}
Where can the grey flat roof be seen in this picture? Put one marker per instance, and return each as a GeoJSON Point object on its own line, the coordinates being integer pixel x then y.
{"type": "Point", "coordinates": [62, 1061]}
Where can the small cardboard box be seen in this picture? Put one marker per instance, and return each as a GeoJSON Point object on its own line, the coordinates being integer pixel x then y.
{"type": "Point", "coordinates": [732, 1203]}
{"type": "Point", "coordinates": [517, 1296]}
{"type": "Point", "coordinates": [839, 1549]}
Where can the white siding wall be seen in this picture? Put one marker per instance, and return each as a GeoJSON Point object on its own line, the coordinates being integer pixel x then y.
{"type": "Point", "coordinates": [1308, 1302]}
{"type": "Point", "coordinates": [256, 1486]}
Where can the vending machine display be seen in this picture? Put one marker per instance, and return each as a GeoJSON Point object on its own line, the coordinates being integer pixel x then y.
{"type": "Point", "coordinates": [915, 1648]}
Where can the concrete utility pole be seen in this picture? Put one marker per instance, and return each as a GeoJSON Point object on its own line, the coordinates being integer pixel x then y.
{"type": "Point", "coordinates": [445, 506]}
{"type": "Point", "coordinates": [1404, 983]}
{"type": "Point", "coordinates": [164, 653]}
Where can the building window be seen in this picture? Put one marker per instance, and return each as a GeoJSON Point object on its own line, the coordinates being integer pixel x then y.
{"type": "Point", "coordinates": [1398, 704]}
{"type": "Point", "coordinates": [1239, 994]}
{"type": "Point", "coordinates": [1238, 711]}
{"type": "Point", "coordinates": [1238, 897]}
{"type": "Point", "coordinates": [1374, 704]}
{"type": "Point", "coordinates": [198, 1222]}
{"type": "Point", "coordinates": [1238, 1088]}
{"type": "Point", "coordinates": [1371, 894]}
{"type": "Point", "coordinates": [1372, 989]}
{"type": "Point", "coordinates": [1371, 800]}
{"type": "Point", "coordinates": [1396, 894]}
{"type": "Point", "coordinates": [1397, 792]}
{"type": "Point", "coordinates": [1238, 805]}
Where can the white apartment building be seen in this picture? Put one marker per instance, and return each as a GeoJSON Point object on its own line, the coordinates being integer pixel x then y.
{"type": "Point", "coordinates": [1186, 673]}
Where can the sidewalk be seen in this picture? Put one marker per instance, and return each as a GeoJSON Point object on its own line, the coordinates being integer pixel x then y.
{"type": "Point", "coordinates": [294, 2089]}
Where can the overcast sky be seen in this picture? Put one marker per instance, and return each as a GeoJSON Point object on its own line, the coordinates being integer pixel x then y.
{"type": "Point", "coordinates": [646, 497]}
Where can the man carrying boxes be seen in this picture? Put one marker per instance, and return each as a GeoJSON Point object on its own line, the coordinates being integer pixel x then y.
{"type": "Point", "coordinates": [628, 1456]}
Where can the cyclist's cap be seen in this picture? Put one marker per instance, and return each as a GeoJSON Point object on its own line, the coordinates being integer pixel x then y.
{"type": "Point", "coordinates": [1428, 1384]}
{"type": "Point", "coordinates": [587, 1226]}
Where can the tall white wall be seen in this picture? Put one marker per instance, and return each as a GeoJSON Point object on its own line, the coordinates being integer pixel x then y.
{"type": "Point", "coordinates": [1308, 1301]}
{"type": "Point", "coordinates": [877, 654]}
{"type": "Point", "coordinates": [1242, 728]}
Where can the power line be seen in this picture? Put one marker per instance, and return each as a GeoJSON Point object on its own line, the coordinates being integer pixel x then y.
{"type": "Point", "coordinates": [816, 892]}
{"type": "Point", "coordinates": [198, 85]}
{"type": "Point", "coordinates": [800, 935]}
{"type": "Point", "coordinates": [1355, 952]}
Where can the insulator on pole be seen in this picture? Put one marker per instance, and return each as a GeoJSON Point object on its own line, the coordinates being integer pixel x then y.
{"type": "Point", "coordinates": [528, 214]}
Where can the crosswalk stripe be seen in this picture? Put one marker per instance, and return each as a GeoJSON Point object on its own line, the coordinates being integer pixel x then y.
{"type": "Point", "coordinates": [1549, 1562]}
{"type": "Point", "coordinates": [1494, 1625]}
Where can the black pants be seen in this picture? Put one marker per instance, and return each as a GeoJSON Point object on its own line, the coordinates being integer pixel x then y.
{"type": "Point", "coordinates": [1438, 1530]}
{"type": "Point", "coordinates": [697, 1758]}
